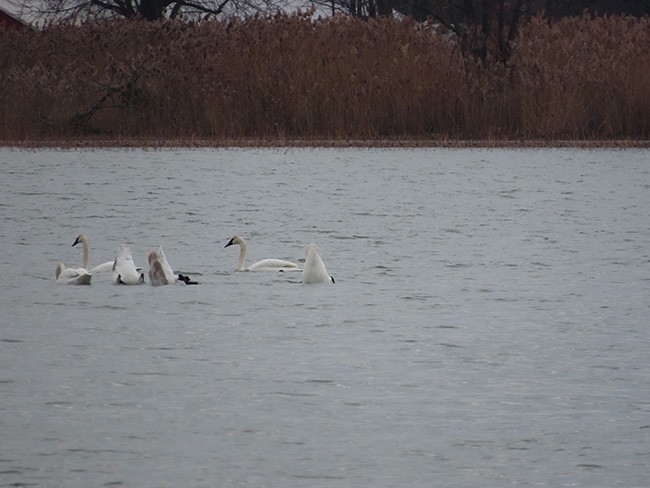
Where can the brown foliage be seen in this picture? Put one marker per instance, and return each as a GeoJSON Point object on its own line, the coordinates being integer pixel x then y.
{"type": "Point", "coordinates": [292, 77]}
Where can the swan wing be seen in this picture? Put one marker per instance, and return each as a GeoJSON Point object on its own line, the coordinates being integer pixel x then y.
{"type": "Point", "coordinates": [167, 269]}
{"type": "Point", "coordinates": [106, 267]}
{"type": "Point", "coordinates": [73, 276]}
{"type": "Point", "coordinates": [272, 264]}
{"type": "Point", "coordinates": [156, 272]}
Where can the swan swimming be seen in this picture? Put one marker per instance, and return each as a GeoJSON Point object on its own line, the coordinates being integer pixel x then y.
{"type": "Point", "coordinates": [124, 270]}
{"type": "Point", "coordinates": [314, 270]}
{"type": "Point", "coordinates": [161, 273]}
{"type": "Point", "coordinates": [263, 265]}
{"type": "Point", "coordinates": [102, 268]}
{"type": "Point", "coordinates": [72, 276]}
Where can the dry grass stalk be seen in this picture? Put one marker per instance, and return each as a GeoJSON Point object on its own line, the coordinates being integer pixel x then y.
{"type": "Point", "coordinates": [294, 78]}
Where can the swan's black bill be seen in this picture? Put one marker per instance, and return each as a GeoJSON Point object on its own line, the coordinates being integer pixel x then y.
{"type": "Point", "coordinates": [230, 243]}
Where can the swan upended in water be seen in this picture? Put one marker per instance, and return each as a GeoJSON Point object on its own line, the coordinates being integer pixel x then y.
{"type": "Point", "coordinates": [314, 270]}
{"type": "Point", "coordinates": [161, 273]}
{"type": "Point", "coordinates": [263, 265]}
{"type": "Point", "coordinates": [124, 270]}
{"type": "Point", "coordinates": [72, 276]}
{"type": "Point", "coordinates": [102, 268]}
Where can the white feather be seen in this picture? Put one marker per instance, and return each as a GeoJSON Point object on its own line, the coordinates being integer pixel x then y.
{"type": "Point", "coordinates": [314, 270]}
{"type": "Point", "coordinates": [72, 276]}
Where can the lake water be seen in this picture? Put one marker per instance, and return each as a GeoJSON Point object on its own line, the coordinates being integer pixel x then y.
{"type": "Point", "coordinates": [489, 325]}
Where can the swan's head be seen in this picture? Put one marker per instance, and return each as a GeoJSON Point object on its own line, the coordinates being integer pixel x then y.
{"type": "Point", "coordinates": [153, 257]}
{"type": "Point", "coordinates": [81, 238]}
{"type": "Point", "coordinates": [59, 269]}
{"type": "Point", "coordinates": [235, 240]}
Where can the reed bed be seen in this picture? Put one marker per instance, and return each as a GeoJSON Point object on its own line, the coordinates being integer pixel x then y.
{"type": "Point", "coordinates": [291, 77]}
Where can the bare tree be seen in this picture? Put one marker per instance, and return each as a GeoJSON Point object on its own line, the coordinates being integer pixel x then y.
{"type": "Point", "coordinates": [357, 8]}
{"type": "Point", "coordinates": [149, 9]}
{"type": "Point", "coordinates": [483, 27]}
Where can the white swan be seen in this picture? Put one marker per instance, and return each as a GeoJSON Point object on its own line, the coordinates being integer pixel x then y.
{"type": "Point", "coordinates": [72, 276]}
{"type": "Point", "coordinates": [160, 272]}
{"type": "Point", "coordinates": [314, 270]}
{"type": "Point", "coordinates": [102, 268]}
{"type": "Point", "coordinates": [263, 265]}
{"type": "Point", "coordinates": [124, 270]}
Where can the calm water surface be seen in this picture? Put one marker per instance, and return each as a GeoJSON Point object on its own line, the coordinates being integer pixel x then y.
{"type": "Point", "coordinates": [488, 326]}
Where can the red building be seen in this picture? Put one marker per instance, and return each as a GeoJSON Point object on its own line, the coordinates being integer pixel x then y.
{"type": "Point", "coordinates": [11, 21]}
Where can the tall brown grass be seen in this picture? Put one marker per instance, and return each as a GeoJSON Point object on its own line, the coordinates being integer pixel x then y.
{"type": "Point", "coordinates": [292, 77]}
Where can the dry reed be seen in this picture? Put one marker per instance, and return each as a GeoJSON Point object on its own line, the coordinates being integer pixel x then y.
{"type": "Point", "coordinates": [294, 78]}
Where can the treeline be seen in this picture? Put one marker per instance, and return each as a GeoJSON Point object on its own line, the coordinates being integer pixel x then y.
{"type": "Point", "coordinates": [293, 77]}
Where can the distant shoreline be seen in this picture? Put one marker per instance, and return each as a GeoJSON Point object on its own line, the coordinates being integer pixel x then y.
{"type": "Point", "coordinates": [299, 143]}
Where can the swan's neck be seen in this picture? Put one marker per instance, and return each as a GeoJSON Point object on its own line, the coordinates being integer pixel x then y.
{"type": "Point", "coordinates": [86, 254]}
{"type": "Point", "coordinates": [242, 256]}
